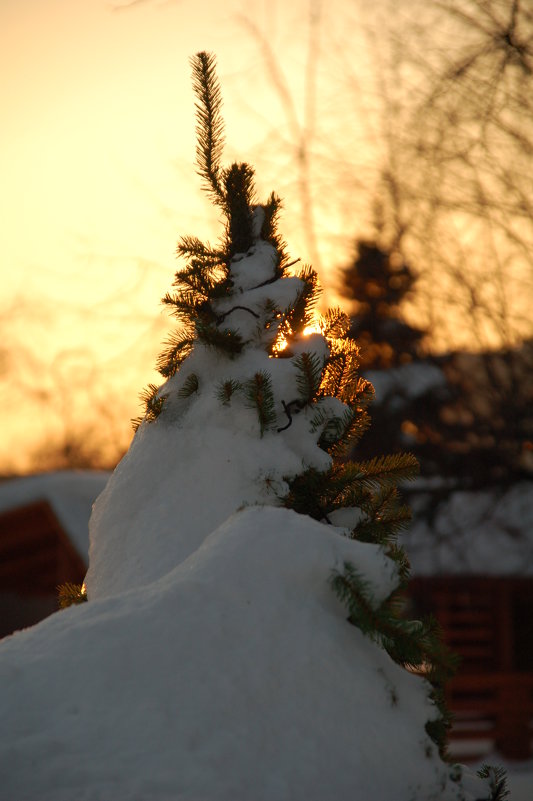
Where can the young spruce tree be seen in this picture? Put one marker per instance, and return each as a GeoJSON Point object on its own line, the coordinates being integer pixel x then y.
{"type": "Point", "coordinates": [242, 353]}
{"type": "Point", "coordinates": [239, 297]}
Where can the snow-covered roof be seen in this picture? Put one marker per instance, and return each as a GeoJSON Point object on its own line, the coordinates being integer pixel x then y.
{"type": "Point", "coordinates": [482, 532]}
{"type": "Point", "coordinates": [409, 380]}
{"type": "Point", "coordinates": [70, 493]}
{"type": "Point", "coordinates": [488, 532]}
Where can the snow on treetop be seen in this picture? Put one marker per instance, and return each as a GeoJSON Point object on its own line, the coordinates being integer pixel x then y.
{"type": "Point", "coordinates": [208, 454]}
{"type": "Point", "coordinates": [243, 311]}
{"type": "Point", "coordinates": [251, 269]}
{"type": "Point", "coordinates": [200, 462]}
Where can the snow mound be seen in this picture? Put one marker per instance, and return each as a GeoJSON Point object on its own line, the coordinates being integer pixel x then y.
{"type": "Point", "coordinates": [199, 462]}
{"type": "Point", "coordinates": [234, 677]}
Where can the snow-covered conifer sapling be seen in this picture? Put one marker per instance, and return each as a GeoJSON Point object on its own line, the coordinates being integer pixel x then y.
{"type": "Point", "coordinates": [261, 402]}
{"type": "Point", "coordinates": [244, 578]}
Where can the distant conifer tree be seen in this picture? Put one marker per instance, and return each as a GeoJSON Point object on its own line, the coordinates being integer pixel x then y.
{"type": "Point", "coordinates": [377, 282]}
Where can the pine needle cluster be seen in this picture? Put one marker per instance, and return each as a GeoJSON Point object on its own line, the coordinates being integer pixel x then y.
{"type": "Point", "coordinates": [206, 278]}
{"type": "Point", "coordinates": [497, 782]}
{"type": "Point", "coordinates": [69, 594]}
{"type": "Point", "coordinates": [415, 645]}
{"type": "Point", "coordinates": [259, 396]}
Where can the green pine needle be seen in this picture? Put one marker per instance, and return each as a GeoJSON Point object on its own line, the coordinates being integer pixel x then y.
{"type": "Point", "coordinates": [384, 471]}
{"type": "Point", "coordinates": [300, 314]}
{"type": "Point", "coordinates": [341, 376]}
{"type": "Point", "coordinates": [227, 389]}
{"type": "Point", "coordinates": [413, 644]}
{"type": "Point", "coordinates": [178, 346]}
{"type": "Point", "coordinates": [341, 432]}
{"type": "Point", "coordinates": [192, 247]}
{"type": "Point", "coordinates": [334, 324]}
{"type": "Point", "coordinates": [497, 782]}
{"type": "Point", "coordinates": [259, 396]}
{"type": "Point", "coordinates": [239, 199]}
{"type": "Point", "coordinates": [385, 516]}
{"type": "Point", "coordinates": [190, 386]}
{"type": "Point", "coordinates": [269, 232]}
{"type": "Point", "coordinates": [210, 126]}
{"type": "Point", "coordinates": [309, 367]}
{"type": "Point", "coordinates": [70, 594]}
{"type": "Point", "coordinates": [224, 340]}
{"type": "Point", "coordinates": [153, 405]}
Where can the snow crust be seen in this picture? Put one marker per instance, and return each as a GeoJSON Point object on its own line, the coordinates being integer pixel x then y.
{"type": "Point", "coordinates": [233, 677]}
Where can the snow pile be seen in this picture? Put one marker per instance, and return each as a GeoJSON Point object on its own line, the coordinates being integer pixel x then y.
{"type": "Point", "coordinates": [185, 475]}
{"type": "Point", "coordinates": [235, 676]}
{"type": "Point", "coordinates": [178, 482]}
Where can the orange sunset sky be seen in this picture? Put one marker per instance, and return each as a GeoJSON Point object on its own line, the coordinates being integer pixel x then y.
{"type": "Point", "coordinates": [98, 180]}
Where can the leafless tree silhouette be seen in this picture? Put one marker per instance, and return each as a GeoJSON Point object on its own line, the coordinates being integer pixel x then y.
{"type": "Point", "coordinates": [438, 144]}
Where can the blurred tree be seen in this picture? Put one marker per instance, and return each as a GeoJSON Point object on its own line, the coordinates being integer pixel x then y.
{"type": "Point", "coordinates": [457, 182]}
{"type": "Point", "coordinates": [81, 447]}
{"type": "Point", "coordinates": [441, 138]}
{"type": "Point", "coordinates": [467, 417]}
{"type": "Point", "coordinates": [377, 282]}
{"type": "Point", "coordinates": [476, 429]}
{"type": "Point", "coordinates": [427, 108]}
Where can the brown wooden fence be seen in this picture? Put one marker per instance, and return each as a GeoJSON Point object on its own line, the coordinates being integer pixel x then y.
{"type": "Point", "coordinates": [488, 622]}
{"type": "Point", "coordinates": [492, 712]}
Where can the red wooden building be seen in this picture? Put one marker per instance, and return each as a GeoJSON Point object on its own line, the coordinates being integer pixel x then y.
{"type": "Point", "coordinates": [488, 622]}
{"type": "Point", "coordinates": [43, 542]}
{"type": "Point", "coordinates": [473, 570]}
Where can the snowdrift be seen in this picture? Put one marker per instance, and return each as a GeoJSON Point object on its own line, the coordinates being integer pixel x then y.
{"type": "Point", "coordinates": [235, 677]}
